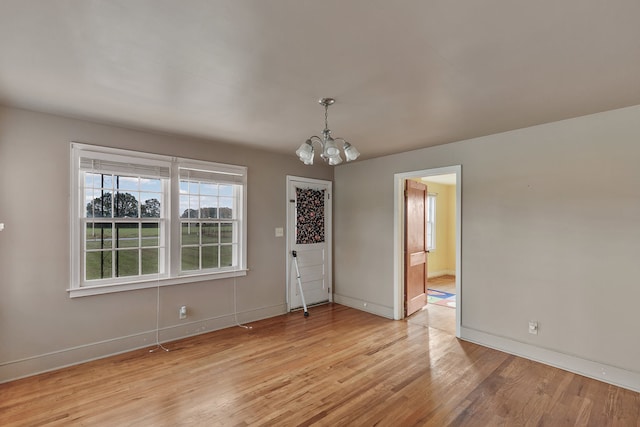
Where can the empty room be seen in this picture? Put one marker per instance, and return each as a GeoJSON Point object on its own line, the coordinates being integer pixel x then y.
{"type": "Point", "coordinates": [340, 213]}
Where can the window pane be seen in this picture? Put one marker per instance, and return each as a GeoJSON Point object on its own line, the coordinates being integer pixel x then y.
{"type": "Point", "coordinates": [151, 234]}
{"type": "Point", "coordinates": [150, 205]}
{"type": "Point", "coordinates": [106, 181]}
{"type": "Point", "coordinates": [127, 183]}
{"type": "Point", "coordinates": [190, 258]}
{"type": "Point", "coordinates": [226, 190]}
{"type": "Point", "coordinates": [210, 257]}
{"type": "Point", "coordinates": [184, 207]}
{"type": "Point", "coordinates": [99, 204]}
{"type": "Point", "coordinates": [226, 232]}
{"type": "Point", "coordinates": [226, 256]}
{"type": "Point", "coordinates": [91, 180]}
{"type": "Point", "coordinates": [194, 187]}
{"type": "Point", "coordinates": [226, 207]}
{"type": "Point", "coordinates": [98, 236]}
{"type": "Point", "coordinates": [98, 265]}
{"type": "Point", "coordinates": [154, 185]}
{"type": "Point", "coordinates": [194, 207]}
{"type": "Point", "coordinates": [190, 233]}
{"type": "Point", "coordinates": [209, 233]}
{"type": "Point", "coordinates": [207, 189]}
{"type": "Point", "coordinates": [150, 261]}
{"type": "Point", "coordinates": [125, 205]}
{"type": "Point", "coordinates": [208, 207]}
{"type": "Point", "coordinates": [127, 236]}
{"type": "Point", "coordinates": [127, 263]}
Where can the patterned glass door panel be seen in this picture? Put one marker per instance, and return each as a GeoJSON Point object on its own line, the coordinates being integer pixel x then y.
{"type": "Point", "coordinates": [309, 216]}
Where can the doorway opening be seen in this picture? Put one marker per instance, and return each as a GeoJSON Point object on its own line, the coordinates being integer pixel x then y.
{"type": "Point", "coordinates": [443, 269]}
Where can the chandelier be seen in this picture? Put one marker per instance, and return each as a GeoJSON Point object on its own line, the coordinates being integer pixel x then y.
{"type": "Point", "coordinates": [330, 151]}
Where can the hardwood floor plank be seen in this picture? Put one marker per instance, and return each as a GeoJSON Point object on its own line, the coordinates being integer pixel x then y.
{"type": "Point", "coordinates": [338, 367]}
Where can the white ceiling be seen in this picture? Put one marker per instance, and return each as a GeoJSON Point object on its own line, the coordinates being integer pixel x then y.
{"type": "Point", "coordinates": [405, 74]}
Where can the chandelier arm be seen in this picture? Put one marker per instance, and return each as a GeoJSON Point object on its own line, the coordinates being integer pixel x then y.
{"type": "Point", "coordinates": [315, 138]}
{"type": "Point", "coordinates": [330, 151]}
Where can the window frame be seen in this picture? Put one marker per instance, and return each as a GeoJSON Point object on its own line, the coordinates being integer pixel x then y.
{"type": "Point", "coordinates": [169, 265]}
{"type": "Point", "coordinates": [431, 220]}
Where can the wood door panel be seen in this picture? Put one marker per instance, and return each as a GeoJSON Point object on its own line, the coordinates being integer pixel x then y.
{"type": "Point", "coordinates": [415, 246]}
{"type": "Point", "coordinates": [417, 258]}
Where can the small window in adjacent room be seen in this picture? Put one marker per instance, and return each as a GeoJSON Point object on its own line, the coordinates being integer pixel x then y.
{"type": "Point", "coordinates": [142, 220]}
{"type": "Point", "coordinates": [431, 221]}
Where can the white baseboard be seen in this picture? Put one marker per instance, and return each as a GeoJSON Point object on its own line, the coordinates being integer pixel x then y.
{"type": "Point", "coordinates": [605, 373]}
{"type": "Point", "coordinates": [367, 306]}
{"type": "Point", "coordinates": [434, 274]}
{"type": "Point", "coordinates": [26, 367]}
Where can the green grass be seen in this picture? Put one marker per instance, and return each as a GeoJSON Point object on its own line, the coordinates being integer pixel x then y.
{"type": "Point", "coordinates": [99, 264]}
{"type": "Point", "coordinates": [136, 249]}
{"type": "Point", "coordinates": [127, 237]}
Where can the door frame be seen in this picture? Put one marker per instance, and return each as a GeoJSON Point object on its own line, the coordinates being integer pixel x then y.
{"type": "Point", "coordinates": [327, 234]}
{"type": "Point", "coordinates": [398, 237]}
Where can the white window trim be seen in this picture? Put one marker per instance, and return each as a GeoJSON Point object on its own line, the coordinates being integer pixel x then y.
{"type": "Point", "coordinates": [434, 198]}
{"type": "Point", "coordinates": [172, 276]}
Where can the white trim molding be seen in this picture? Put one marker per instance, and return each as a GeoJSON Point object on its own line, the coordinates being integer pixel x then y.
{"type": "Point", "coordinates": [38, 364]}
{"type": "Point", "coordinates": [369, 307]}
{"type": "Point", "coordinates": [588, 368]}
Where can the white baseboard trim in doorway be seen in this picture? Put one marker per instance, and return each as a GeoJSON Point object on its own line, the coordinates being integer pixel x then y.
{"type": "Point", "coordinates": [440, 273]}
{"type": "Point", "coordinates": [367, 306]}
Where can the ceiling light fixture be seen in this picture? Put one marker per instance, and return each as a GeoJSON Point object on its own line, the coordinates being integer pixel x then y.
{"type": "Point", "coordinates": [330, 151]}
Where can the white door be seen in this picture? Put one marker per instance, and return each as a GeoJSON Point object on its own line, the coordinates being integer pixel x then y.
{"type": "Point", "coordinates": [309, 234]}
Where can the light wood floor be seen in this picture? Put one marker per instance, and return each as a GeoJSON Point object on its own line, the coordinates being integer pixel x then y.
{"type": "Point", "coordinates": [437, 316]}
{"type": "Point", "coordinates": [338, 367]}
{"type": "Point", "coordinates": [445, 283]}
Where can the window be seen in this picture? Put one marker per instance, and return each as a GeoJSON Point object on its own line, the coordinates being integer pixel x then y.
{"type": "Point", "coordinates": [142, 220]}
{"type": "Point", "coordinates": [431, 221]}
{"type": "Point", "coordinates": [209, 220]}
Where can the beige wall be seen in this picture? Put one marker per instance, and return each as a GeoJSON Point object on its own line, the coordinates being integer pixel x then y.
{"type": "Point", "coordinates": [40, 326]}
{"type": "Point", "coordinates": [535, 243]}
{"type": "Point", "coordinates": [442, 260]}
{"type": "Point", "coordinates": [451, 230]}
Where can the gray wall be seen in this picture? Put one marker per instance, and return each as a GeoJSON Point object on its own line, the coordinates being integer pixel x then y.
{"type": "Point", "coordinates": [550, 231]}
{"type": "Point", "coordinates": [40, 326]}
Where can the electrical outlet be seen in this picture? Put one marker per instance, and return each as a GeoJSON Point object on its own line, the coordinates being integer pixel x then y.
{"type": "Point", "coordinates": [533, 327]}
{"type": "Point", "coordinates": [182, 313]}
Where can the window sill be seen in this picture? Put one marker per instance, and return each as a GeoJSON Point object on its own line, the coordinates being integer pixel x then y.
{"type": "Point", "coordinates": [122, 287]}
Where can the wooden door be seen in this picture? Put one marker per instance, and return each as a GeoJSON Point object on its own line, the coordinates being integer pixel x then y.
{"type": "Point", "coordinates": [415, 247]}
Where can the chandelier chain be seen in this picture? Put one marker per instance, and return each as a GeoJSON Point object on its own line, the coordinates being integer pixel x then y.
{"type": "Point", "coordinates": [326, 116]}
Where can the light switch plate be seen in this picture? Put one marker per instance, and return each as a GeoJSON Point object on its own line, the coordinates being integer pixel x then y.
{"type": "Point", "coordinates": [279, 231]}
